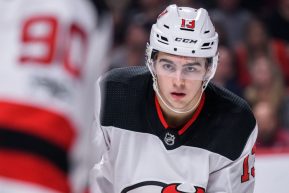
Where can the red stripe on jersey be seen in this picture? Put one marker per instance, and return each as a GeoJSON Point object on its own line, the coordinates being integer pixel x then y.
{"type": "Point", "coordinates": [172, 188]}
{"type": "Point", "coordinates": [32, 169]}
{"type": "Point", "coordinates": [189, 123]}
{"type": "Point", "coordinates": [160, 113]}
{"type": "Point", "coordinates": [194, 117]}
{"type": "Point", "coordinates": [39, 122]}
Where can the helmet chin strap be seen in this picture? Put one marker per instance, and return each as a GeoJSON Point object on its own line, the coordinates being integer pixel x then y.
{"type": "Point", "coordinates": [155, 86]}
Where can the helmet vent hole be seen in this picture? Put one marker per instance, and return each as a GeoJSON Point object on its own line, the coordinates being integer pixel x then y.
{"type": "Point", "coordinates": [206, 31]}
{"type": "Point", "coordinates": [186, 29]}
{"type": "Point", "coordinates": [193, 51]}
{"type": "Point", "coordinates": [166, 26]}
{"type": "Point", "coordinates": [206, 48]}
{"type": "Point", "coordinates": [163, 42]}
{"type": "Point", "coordinates": [175, 49]}
{"type": "Point", "coordinates": [164, 38]}
{"type": "Point", "coordinates": [206, 44]}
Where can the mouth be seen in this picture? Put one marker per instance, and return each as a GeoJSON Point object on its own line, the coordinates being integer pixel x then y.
{"type": "Point", "coordinates": [178, 95]}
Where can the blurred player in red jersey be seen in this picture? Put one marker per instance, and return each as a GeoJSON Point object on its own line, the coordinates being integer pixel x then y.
{"type": "Point", "coordinates": [50, 56]}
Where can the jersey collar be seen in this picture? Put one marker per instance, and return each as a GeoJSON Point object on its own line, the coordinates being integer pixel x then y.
{"type": "Point", "coordinates": [188, 124]}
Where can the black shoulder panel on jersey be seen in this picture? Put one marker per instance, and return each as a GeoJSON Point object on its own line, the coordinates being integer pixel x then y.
{"type": "Point", "coordinates": [225, 123]}
{"type": "Point", "coordinates": [223, 126]}
{"type": "Point", "coordinates": [123, 97]}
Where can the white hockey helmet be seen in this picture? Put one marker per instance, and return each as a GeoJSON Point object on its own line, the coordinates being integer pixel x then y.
{"type": "Point", "coordinates": [184, 31]}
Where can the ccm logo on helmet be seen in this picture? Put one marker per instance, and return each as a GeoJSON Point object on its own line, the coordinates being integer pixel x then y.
{"type": "Point", "coordinates": [185, 40]}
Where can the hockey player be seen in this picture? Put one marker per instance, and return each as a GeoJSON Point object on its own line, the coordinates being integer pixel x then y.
{"type": "Point", "coordinates": [164, 128]}
{"type": "Point", "coordinates": [49, 63]}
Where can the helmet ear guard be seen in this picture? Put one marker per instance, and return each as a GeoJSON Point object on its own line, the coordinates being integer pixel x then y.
{"type": "Point", "coordinates": [211, 70]}
{"type": "Point", "coordinates": [149, 59]}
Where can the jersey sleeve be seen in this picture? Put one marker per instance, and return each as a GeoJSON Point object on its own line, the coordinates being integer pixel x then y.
{"type": "Point", "coordinates": [238, 176]}
{"type": "Point", "coordinates": [101, 172]}
{"type": "Point", "coordinates": [100, 137]}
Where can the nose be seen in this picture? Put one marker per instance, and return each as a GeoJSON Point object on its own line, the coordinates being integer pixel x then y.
{"type": "Point", "coordinates": [178, 79]}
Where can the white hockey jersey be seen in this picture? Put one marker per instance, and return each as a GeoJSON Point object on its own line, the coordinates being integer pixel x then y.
{"type": "Point", "coordinates": [47, 75]}
{"type": "Point", "coordinates": [139, 153]}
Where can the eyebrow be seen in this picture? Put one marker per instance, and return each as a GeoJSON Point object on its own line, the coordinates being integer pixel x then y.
{"type": "Point", "coordinates": [166, 60]}
{"type": "Point", "coordinates": [187, 64]}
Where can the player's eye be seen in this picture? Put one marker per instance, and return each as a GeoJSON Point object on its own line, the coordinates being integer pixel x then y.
{"type": "Point", "coordinates": [168, 67]}
{"type": "Point", "coordinates": [190, 69]}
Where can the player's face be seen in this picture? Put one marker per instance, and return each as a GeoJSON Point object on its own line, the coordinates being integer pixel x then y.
{"type": "Point", "coordinates": [179, 79]}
